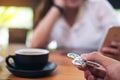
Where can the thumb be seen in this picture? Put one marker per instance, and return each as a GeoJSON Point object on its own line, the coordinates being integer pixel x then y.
{"type": "Point", "coordinates": [99, 58]}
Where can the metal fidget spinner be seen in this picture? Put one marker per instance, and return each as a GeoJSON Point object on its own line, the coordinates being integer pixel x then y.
{"type": "Point", "coordinates": [77, 61]}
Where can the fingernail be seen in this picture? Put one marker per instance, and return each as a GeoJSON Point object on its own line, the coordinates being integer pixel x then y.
{"type": "Point", "coordinates": [103, 49]}
{"type": "Point", "coordinates": [113, 42]}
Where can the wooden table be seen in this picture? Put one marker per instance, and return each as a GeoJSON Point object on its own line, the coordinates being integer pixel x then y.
{"type": "Point", "coordinates": [64, 71]}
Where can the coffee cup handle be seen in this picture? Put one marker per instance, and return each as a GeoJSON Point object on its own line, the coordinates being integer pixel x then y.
{"type": "Point", "coordinates": [7, 60]}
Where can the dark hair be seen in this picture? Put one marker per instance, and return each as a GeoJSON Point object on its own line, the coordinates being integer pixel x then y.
{"type": "Point", "coordinates": [42, 9]}
{"type": "Point", "coordinates": [47, 6]}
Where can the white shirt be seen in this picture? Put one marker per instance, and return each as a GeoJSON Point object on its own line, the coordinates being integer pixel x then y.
{"type": "Point", "coordinates": [94, 19]}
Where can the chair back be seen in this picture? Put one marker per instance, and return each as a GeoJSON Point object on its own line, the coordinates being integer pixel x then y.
{"type": "Point", "coordinates": [17, 35]}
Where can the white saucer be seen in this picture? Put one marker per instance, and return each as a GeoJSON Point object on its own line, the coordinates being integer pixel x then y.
{"type": "Point", "coordinates": [1, 60]}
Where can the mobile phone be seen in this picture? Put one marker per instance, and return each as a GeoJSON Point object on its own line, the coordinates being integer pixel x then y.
{"type": "Point", "coordinates": [113, 34]}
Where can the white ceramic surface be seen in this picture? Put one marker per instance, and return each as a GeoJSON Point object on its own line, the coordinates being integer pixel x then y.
{"type": "Point", "coordinates": [1, 60]}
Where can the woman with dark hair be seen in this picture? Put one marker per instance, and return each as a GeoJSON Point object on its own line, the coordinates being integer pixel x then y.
{"type": "Point", "coordinates": [77, 24]}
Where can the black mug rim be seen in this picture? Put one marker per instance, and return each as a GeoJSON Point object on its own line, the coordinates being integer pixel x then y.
{"type": "Point", "coordinates": [21, 51]}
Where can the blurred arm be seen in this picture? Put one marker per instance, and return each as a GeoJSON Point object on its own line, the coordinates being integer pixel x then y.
{"type": "Point", "coordinates": [42, 32]}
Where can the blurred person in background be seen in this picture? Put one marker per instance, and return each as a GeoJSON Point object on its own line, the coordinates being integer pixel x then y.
{"type": "Point", "coordinates": [73, 23]}
{"type": "Point", "coordinates": [110, 69]}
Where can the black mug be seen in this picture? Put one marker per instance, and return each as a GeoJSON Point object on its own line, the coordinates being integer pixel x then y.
{"type": "Point", "coordinates": [29, 59]}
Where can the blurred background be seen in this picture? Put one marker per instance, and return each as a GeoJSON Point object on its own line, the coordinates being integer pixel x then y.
{"type": "Point", "coordinates": [14, 17]}
{"type": "Point", "coordinates": [20, 14]}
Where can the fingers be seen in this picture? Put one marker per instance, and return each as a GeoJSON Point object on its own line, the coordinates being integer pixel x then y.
{"type": "Point", "coordinates": [115, 44]}
{"type": "Point", "coordinates": [114, 48]}
{"type": "Point", "coordinates": [88, 75]}
{"type": "Point", "coordinates": [110, 50]}
{"type": "Point", "coordinates": [98, 72]}
{"type": "Point", "coordinates": [60, 3]}
{"type": "Point", "coordinates": [103, 60]}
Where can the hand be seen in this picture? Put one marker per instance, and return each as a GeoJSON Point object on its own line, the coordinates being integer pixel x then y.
{"type": "Point", "coordinates": [111, 66]}
{"type": "Point", "coordinates": [88, 75]}
{"type": "Point", "coordinates": [112, 51]}
{"type": "Point", "coordinates": [60, 3]}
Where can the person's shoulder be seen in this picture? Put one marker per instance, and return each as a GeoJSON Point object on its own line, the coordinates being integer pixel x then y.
{"type": "Point", "coordinates": [97, 1]}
